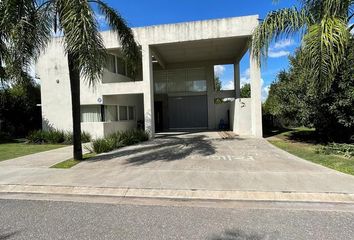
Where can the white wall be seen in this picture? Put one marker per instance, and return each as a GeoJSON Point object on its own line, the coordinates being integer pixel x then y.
{"type": "Point", "coordinates": [241, 116]}
{"type": "Point", "coordinates": [221, 113]}
{"type": "Point", "coordinates": [113, 127]}
{"type": "Point", "coordinates": [96, 129]}
{"type": "Point", "coordinates": [109, 77]}
{"type": "Point", "coordinates": [53, 71]}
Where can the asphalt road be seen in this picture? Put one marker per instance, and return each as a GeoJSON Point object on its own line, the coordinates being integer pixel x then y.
{"type": "Point", "coordinates": [24, 219]}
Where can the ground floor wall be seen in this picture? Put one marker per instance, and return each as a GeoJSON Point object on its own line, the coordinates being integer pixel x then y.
{"type": "Point", "coordinates": [58, 115]}
{"type": "Point", "coordinates": [103, 129]}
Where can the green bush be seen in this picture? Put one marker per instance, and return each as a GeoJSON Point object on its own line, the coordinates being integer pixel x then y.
{"type": "Point", "coordinates": [55, 137]}
{"type": "Point", "coordinates": [346, 150]}
{"type": "Point", "coordinates": [36, 137]}
{"type": "Point", "coordinates": [101, 145]}
{"type": "Point", "coordinates": [118, 140]}
{"type": "Point", "coordinates": [85, 137]}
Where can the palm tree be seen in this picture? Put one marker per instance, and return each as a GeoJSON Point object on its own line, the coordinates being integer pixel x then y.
{"type": "Point", "coordinates": [325, 31]}
{"type": "Point", "coordinates": [23, 32]}
{"type": "Point", "coordinates": [82, 42]}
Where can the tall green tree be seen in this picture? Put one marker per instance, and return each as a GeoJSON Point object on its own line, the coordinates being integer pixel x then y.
{"type": "Point", "coordinates": [245, 91]}
{"type": "Point", "coordinates": [293, 102]}
{"type": "Point", "coordinates": [81, 38]}
{"type": "Point", "coordinates": [324, 27]}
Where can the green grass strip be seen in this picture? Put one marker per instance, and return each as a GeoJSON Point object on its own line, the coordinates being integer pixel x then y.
{"type": "Point", "coordinates": [15, 150]}
{"type": "Point", "coordinates": [71, 162]}
{"type": "Point", "coordinates": [309, 151]}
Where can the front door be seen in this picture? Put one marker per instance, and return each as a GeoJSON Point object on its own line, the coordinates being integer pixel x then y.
{"type": "Point", "coordinates": [158, 116]}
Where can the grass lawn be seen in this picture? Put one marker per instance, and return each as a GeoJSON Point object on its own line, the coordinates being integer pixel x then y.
{"type": "Point", "coordinates": [71, 162]}
{"type": "Point", "coordinates": [14, 149]}
{"type": "Point", "coordinates": [299, 142]}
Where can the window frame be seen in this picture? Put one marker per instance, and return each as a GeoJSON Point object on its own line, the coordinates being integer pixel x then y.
{"type": "Point", "coordinates": [116, 69]}
{"type": "Point", "coordinates": [119, 117]}
{"type": "Point", "coordinates": [133, 110]}
{"type": "Point", "coordinates": [98, 107]}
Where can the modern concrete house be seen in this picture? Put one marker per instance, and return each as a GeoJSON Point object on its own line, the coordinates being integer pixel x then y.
{"type": "Point", "coordinates": [175, 89]}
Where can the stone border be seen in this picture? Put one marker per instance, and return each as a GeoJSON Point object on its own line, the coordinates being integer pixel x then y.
{"type": "Point", "coordinates": [181, 194]}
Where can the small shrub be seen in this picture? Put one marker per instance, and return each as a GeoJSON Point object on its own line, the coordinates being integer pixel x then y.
{"type": "Point", "coordinates": [85, 137]}
{"type": "Point", "coordinates": [55, 137]}
{"type": "Point", "coordinates": [346, 150]}
{"type": "Point", "coordinates": [101, 145]}
{"type": "Point", "coordinates": [68, 137]}
{"type": "Point", "coordinates": [118, 140]}
{"type": "Point", "coordinates": [36, 137]}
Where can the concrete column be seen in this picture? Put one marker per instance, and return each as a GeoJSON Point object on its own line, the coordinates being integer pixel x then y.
{"type": "Point", "coordinates": [211, 97]}
{"type": "Point", "coordinates": [256, 99]}
{"type": "Point", "coordinates": [148, 91]}
{"type": "Point", "coordinates": [237, 79]}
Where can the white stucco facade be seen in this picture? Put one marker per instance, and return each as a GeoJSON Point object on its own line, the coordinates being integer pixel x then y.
{"type": "Point", "coordinates": [177, 78]}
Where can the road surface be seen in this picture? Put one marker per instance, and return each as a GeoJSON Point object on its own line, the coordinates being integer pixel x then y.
{"type": "Point", "coordinates": [43, 219]}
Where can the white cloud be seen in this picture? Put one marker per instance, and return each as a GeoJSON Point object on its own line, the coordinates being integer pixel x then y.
{"type": "Point", "coordinates": [283, 44]}
{"type": "Point", "coordinates": [230, 85]}
{"type": "Point", "coordinates": [245, 77]}
{"type": "Point", "coordinates": [278, 50]}
{"type": "Point", "coordinates": [58, 33]}
{"type": "Point", "coordinates": [101, 19]}
{"type": "Point", "coordinates": [265, 92]}
{"type": "Point", "coordinates": [278, 54]}
{"type": "Point", "coordinates": [219, 70]}
{"type": "Point", "coordinates": [352, 31]}
{"type": "Point", "coordinates": [32, 70]}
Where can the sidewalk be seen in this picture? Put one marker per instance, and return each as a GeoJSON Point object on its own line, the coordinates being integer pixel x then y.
{"type": "Point", "coordinates": [42, 159]}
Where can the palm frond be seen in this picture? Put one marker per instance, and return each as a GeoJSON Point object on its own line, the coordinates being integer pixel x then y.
{"type": "Point", "coordinates": [279, 23]}
{"type": "Point", "coordinates": [130, 48]}
{"type": "Point", "coordinates": [24, 33]}
{"type": "Point", "coordinates": [82, 38]}
{"type": "Point", "coordinates": [324, 49]}
{"type": "Point", "coordinates": [337, 8]}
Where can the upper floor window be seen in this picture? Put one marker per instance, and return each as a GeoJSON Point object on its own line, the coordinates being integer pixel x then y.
{"type": "Point", "coordinates": [180, 80]}
{"type": "Point", "coordinates": [116, 64]}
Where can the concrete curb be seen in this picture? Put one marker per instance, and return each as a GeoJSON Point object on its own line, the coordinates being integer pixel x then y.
{"type": "Point", "coordinates": [181, 194]}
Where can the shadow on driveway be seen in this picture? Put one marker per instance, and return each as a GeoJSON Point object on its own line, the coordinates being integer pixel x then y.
{"type": "Point", "coordinates": [6, 236]}
{"type": "Point", "coordinates": [240, 235]}
{"type": "Point", "coordinates": [166, 148]}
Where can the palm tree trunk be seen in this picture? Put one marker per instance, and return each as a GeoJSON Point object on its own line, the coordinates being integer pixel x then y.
{"type": "Point", "coordinates": [74, 75]}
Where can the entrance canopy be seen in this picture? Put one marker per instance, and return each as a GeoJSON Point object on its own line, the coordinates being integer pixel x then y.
{"type": "Point", "coordinates": [219, 50]}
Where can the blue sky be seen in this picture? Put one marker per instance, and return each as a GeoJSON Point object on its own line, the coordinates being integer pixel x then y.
{"type": "Point", "coordinates": [144, 13]}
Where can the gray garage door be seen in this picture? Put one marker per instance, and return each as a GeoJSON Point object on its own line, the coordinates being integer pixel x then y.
{"type": "Point", "coordinates": [188, 112]}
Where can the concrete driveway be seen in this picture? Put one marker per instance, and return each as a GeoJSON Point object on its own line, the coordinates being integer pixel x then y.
{"type": "Point", "coordinates": [189, 161]}
{"type": "Point", "coordinates": [206, 161]}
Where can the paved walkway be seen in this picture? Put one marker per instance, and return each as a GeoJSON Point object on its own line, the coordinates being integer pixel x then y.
{"type": "Point", "coordinates": [42, 159]}
{"type": "Point", "coordinates": [198, 161]}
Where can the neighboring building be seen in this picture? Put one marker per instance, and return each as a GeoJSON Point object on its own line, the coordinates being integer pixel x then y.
{"type": "Point", "coordinates": [175, 89]}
